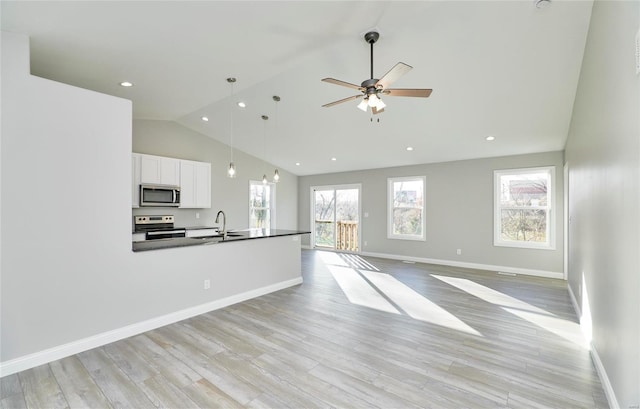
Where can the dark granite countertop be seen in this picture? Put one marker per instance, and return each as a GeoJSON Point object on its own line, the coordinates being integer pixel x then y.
{"type": "Point", "coordinates": [199, 241]}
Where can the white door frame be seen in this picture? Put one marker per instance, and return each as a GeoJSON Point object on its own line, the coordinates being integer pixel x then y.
{"type": "Point", "coordinates": [312, 211]}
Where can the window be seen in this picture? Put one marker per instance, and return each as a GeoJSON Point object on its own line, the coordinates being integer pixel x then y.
{"type": "Point", "coordinates": [261, 205]}
{"type": "Point", "coordinates": [523, 208]}
{"type": "Point", "coordinates": [406, 208]}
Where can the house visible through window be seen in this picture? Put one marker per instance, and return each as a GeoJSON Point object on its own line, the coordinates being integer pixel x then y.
{"type": "Point", "coordinates": [523, 208]}
{"type": "Point", "coordinates": [261, 205]}
{"type": "Point", "coordinates": [406, 208]}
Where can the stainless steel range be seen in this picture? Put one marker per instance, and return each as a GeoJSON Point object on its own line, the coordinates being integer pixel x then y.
{"type": "Point", "coordinates": [157, 227]}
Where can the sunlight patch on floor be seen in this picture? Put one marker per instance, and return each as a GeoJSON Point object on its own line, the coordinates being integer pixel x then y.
{"type": "Point", "coordinates": [544, 319]}
{"type": "Point", "coordinates": [331, 258]}
{"type": "Point", "coordinates": [358, 291]}
{"type": "Point", "coordinates": [358, 262]}
{"type": "Point", "coordinates": [561, 327]}
{"type": "Point", "coordinates": [414, 304]}
{"type": "Point", "coordinates": [489, 294]}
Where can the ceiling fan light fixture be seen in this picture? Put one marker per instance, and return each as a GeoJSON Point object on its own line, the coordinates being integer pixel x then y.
{"type": "Point", "coordinates": [380, 104]}
{"type": "Point", "coordinates": [363, 105]}
{"type": "Point", "coordinates": [373, 100]}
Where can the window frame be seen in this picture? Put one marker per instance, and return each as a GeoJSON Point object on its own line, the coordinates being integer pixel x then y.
{"type": "Point", "coordinates": [272, 201]}
{"type": "Point", "coordinates": [390, 208]}
{"type": "Point", "coordinates": [498, 241]}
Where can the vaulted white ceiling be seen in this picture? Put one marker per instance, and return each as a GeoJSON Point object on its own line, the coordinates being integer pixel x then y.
{"type": "Point", "coordinates": [500, 68]}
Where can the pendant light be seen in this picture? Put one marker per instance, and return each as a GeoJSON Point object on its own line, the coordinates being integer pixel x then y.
{"type": "Point", "coordinates": [276, 174]}
{"type": "Point", "coordinates": [264, 144]}
{"type": "Point", "coordinates": [231, 171]}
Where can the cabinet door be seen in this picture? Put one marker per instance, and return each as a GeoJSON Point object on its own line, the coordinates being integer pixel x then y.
{"type": "Point", "coordinates": [135, 180]}
{"type": "Point", "coordinates": [187, 184]}
{"type": "Point", "coordinates": [159, 170]}
{"type": "Point", "coordinates": [203, 185]}
{"type": "Point", "coordinates": [150, 169]}
{"type": "Point", "coordinates": [170, 171]}
{"type": "Point", "coordinates": [195, 184]}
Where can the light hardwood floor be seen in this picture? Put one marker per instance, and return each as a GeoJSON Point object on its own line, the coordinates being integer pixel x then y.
{"type": "Point", "coordinates": [360, 332]}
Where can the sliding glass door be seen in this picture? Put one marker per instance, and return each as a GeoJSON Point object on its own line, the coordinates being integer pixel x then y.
{"type": "Point", "coordinates": [335, 217]}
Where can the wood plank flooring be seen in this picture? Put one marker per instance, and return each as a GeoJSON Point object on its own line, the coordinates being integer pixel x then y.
{"type": "Point", "coordinates": [360, 332]}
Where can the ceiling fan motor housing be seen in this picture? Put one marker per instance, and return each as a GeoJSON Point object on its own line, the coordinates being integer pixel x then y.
{"type": "Point", "coordinates": [370, 86]}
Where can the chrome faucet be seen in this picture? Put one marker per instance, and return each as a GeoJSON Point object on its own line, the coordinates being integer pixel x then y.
{"type": "Point", "coordinates": [224, 223]}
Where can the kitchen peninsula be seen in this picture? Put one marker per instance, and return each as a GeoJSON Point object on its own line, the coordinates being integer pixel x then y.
{"type": "Point", "coordinates": [232, 236]}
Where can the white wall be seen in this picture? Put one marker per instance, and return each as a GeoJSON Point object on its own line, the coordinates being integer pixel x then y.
{"type": "Point", "coordinates": [603, 153]}
{"type": "Point", "coordinates": [459, 213]}
{"type": "Point", "coordinates": [168, 138]}
{"type": "Point", "coordinates": [69, 278]}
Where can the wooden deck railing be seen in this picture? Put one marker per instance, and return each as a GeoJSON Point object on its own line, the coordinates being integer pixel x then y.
{"type": "Point", "coordinates": [347, 235]}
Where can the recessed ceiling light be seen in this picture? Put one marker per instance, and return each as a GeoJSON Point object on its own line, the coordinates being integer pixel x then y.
{"type": "Point", "coordinates": [409, 148]}
{"type": "Point", "coordinates": [297, 163]}
{"type": "Point", "coordinates": [490, 138]}
{"type": "Point", "coordinates": [334, 159]}
{"type": "Point", "coordinates": [204, 118]}
{"type": "Point", "coordinates": [126, 84]}
{"type": "Point", "coordinates": [242, 104]}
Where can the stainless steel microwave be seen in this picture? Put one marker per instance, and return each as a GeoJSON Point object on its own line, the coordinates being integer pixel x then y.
{"type": "Point", "coordinates": [159, 196]}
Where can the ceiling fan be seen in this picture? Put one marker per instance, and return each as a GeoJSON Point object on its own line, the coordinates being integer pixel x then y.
{"type": "Point", "coordinates": [372, 89]}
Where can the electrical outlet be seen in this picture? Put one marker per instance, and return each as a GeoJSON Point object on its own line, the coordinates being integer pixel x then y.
{"type": "Point", "coordinates": [197, 215]}
{"type": "Point", "coordinates": [459, 251]}
{"type": "Point", "coordinates": [207, 284]}
{"type": "Point", "coordinates": [366, 214]}
{"type": "Point", "coordinates": [366, 243]}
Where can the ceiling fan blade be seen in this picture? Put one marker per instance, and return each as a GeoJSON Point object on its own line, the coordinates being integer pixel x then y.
{"type": "Point", "coordinates": [330, 104]}
{"type": "Point", "coordinates": [408, 92]}
{"type": "Point", "coordinates": [393, 75]}
{"type": "Point", "coordinates": [343, 83]}
{"type": "Point", "coordinates": [376, 110]}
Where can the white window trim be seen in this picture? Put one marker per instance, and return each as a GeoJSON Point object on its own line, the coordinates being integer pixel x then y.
{"type": "Point", "coordinates": [272, 222]}
{"type": "Point", "coordinates": [551, 221]}
{"type": "Point", "coordinates": [390, 235]}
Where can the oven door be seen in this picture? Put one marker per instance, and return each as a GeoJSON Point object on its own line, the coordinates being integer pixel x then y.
{"type": "Point", "coordinates": [159, 196]}
{"type": "Point", "coordinates": [166, 234]}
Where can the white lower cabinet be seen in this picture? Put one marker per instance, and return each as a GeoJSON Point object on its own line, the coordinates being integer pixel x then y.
{"type": "Point", "coordinates": [195, 184]}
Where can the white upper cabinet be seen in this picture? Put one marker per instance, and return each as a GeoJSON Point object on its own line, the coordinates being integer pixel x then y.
{"type": "Point", "coordinates": [135, 180]}
{"type": "Point", "coordinates": [159, 170]}
{"type": "Point", "coordinates": [195, 184]}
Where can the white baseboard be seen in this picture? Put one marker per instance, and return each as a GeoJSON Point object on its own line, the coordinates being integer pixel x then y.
{"type": "Point", "coordinates": [574, 301]}
{"type": "Point", "coordinates": [62, 351]}
{"type": "Point", "coordinates": [451, 263]}
{"type": "Point", "coordinates": [604, 379]}
{"type": "Point", "coordinates": [602, 373]}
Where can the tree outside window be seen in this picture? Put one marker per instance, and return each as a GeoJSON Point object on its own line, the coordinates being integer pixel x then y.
{"type": "Point", "coordinates": [523, 207]}
{"type": "Point", "coordinates": [406, 208]}
{"type": "Point", "coordinates": [260, 205]}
